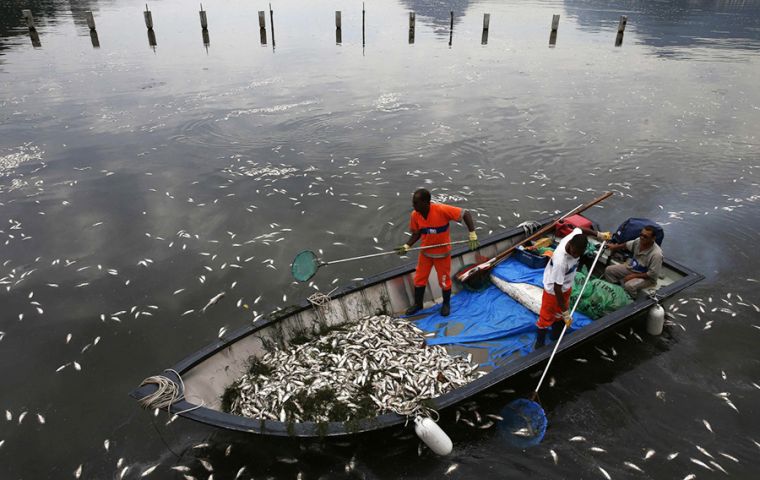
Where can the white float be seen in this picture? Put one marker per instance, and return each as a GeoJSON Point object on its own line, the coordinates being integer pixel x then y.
{"type": "Point", "coordinates": [655, 320]}
{"type": "Point", "coordinates": [433, 436]}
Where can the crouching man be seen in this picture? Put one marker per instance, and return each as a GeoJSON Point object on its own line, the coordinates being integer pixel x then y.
{"type": "Point", "coordinates": [558, 285]}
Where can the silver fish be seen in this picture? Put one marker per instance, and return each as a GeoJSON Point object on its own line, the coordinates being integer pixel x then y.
{"type": "Point", "coordinates": [213, 300]}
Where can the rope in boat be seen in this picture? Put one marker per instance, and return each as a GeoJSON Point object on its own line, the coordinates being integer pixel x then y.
{"type": "Point", "coordinates": [319, 302]}
{"type": "Point", "coordinates": [529, 227]}
{"type": "Point", "coordinates": [167, 393]}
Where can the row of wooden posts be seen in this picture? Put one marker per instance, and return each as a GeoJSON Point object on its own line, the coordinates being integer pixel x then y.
{"type": "Point", "coordinates": [148, 16]}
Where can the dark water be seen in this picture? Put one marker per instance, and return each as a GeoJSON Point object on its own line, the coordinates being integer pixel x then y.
{"type": "Point", "coordinates": [128, 173]}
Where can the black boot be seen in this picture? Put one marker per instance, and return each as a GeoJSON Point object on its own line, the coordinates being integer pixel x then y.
{"type": "Point", "coordinates": [540, 338]}
{"type": "Point", "coordinates": [419, 297]}
{"type": "Point", "coordinates": [446, 307]}
{"type": "Point", "coordinates": [557, 329]}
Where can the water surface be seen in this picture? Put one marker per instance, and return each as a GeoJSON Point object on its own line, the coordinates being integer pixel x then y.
{"type": "Point", "coordinates": [138, 178]}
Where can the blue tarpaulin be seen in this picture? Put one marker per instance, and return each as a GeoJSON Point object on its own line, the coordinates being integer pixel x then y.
{"type": "Point", "coordinates": [491, 319]}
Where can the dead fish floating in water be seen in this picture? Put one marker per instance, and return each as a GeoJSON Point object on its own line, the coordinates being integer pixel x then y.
{"type": "Point", "coordinates": [213, 300]}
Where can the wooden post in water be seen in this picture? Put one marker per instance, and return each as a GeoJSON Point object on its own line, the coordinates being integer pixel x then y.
{"type": "Point", "coordinates": [553, 35]}
{"type": "Point", "coordinates": [621, 25]}
{"type": "Point", "coordinates": [28, 18]}
{"type": "Point", "coordinates": [35, 38]}
{"type": "Point", "coordinates": [451, 27]}
{"type": "Point", "coordinates": [363, 14]}
{"type": "Point", "coordinates": [263, 26]}
{"type": "Point", "coordinates": [271, 22]}
{"type": "Point", "coordinates": [152, 39]}
{"type": "Point", "coordinates": [94, 39]}
{"type": "Point", "coordinates": [486, 24]}
{"type": "Point", "coordinates": [411, 27]}
{"type": "Point", "coordinates": [204, 20]}
{"type": "Point", "coordinates": [338, 32]}
{"type": "Point", "coordinates": [148, 18]}
{"type": "Point", "coordinates": [621, 29]}
{"type": "Point", "coordinates": [90, 20]}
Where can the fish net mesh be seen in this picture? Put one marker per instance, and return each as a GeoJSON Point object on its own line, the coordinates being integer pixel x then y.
{"type": "Point", "coordinates": [304, 266]}
{"type": "Point", "coordinates": [524, 423]}
{"type": "Point", "coordinates": [599, 297]}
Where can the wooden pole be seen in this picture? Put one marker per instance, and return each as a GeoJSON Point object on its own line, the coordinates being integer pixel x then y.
{"type": "Point", "coordinates": [148, 18]}
{"type": "Point", "coordinates": [35, 38]}
{"type": "Point", "coordinates": [363, 14]}
{"type": "Point", "coordinates": [271, 22]}
{"type": "Point", "coordinates": [94, 38]}
{"type": "Point", "coordinates": [262, 20]}
{"type": "Point", "coordinates": [486, 24]}
{"type": "Point", "coordinates": [337, 19]}
{"type": "Point", "coordinates": [411, 27]}
{"type": "Point", "coordinates": [555, 23]}
{"type": "Point", "coordinates": [204, 20]}
{"type": "Point", "coordinates": [90, 20]}
{"type": "Point", "coordinates": [152, 39]}
{"type": "Point", "coordinates": [28, 18]}
{"type": "Point", "coordinates": [451, 27]}
{"type": "Point", "coordinates": [621, 25]}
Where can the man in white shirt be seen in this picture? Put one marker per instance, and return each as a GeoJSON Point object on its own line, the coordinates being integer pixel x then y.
{"type": "Point", "coordinates": [558, 283]}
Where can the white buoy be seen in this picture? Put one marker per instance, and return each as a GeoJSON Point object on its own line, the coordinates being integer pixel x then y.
{"type": "Point", "coordinates": [655, 320]}
{"type": "Point", "coordinates": [433, 436]}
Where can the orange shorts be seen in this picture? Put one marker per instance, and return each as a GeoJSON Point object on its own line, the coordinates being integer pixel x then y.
{"type": "Point", "coordinates": [550, 311]}
{"type": "Point", "coordinates": [442, 268]}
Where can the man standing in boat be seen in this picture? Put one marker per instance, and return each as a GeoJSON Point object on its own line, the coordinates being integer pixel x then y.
{"type": "Point", "coordinates": [559, 275]}
{"type": "Point", "coordinates": [431, 222]}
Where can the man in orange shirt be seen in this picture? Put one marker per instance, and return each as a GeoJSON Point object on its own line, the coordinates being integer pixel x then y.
{"type": "Point", "coordinates": [431, 222]}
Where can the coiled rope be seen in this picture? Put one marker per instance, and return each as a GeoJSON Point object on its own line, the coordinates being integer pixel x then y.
{"type": "Point", "coordinates": [167, 393]}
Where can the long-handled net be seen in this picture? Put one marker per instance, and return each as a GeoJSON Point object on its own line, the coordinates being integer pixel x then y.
{"type": "Point", "coordinates": [526, 418]}
{"type": "Point", "coordinates": [306, 263]}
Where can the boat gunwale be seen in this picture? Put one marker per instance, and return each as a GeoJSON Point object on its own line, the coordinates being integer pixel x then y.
{"type": "Point", "coordinates": [217, 418]}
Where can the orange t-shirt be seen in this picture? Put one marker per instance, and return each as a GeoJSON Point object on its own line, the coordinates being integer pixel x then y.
{"type": "Point", "coordinates": [435, 228]}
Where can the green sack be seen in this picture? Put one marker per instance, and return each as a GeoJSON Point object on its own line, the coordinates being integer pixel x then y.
{"type": "Point", "coordinates": [599, 298]}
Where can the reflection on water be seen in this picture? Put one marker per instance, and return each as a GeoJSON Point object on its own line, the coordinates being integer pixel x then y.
{"type": "Point", "coordinates": [136, 185]}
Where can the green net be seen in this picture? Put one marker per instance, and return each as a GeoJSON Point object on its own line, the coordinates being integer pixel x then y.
{"type": "Point", "coordinates": [304, 266]}
{"type": "Point", "coordinates": [600, 297]}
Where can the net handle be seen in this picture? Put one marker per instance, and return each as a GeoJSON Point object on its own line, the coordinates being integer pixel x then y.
{"type": "Point", "coordinates": [577, 301]}
{"type": "Point", "coordinates": [391, 252]}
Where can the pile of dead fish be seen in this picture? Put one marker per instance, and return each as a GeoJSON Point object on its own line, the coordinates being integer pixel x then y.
{"type": "Point", "coordinates": [379, 364]}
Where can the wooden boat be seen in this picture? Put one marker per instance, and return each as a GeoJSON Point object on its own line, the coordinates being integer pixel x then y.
{"type": "Point", "coordinates": [206, 373]}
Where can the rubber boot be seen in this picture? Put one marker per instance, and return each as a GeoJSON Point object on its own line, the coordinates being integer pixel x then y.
{"type": "Point", "coordinates": [446, 307]}
{"type": "Point", "coordinates": [540, 338]}
{"type": "Point", "coordinates": [419, 297]}
{"type": "Point", "coordinates": [557, 329]}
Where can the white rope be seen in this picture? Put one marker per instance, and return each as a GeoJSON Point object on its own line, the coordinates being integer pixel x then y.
{"type": "Point", "coordinates": [529, 226]}
{"type": "Point", "coordinates": [167, 393]}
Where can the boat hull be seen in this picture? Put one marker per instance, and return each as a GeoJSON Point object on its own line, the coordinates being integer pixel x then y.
{"type": "Point", "coordinates": [208, 371]}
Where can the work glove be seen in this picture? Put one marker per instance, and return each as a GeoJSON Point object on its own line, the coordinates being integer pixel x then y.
{"type": "Point", "coordinates": [603, 236]}
{"type": "Point", "coordinates": [567, 318]}
{"type": "Point", "coordinates": [473, 241]}
{"type": "Point", "coordinates": [402, 250]}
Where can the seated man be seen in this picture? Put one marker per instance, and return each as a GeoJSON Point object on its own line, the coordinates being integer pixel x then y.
{"type": "Point", "coordinates": [640, 271]}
